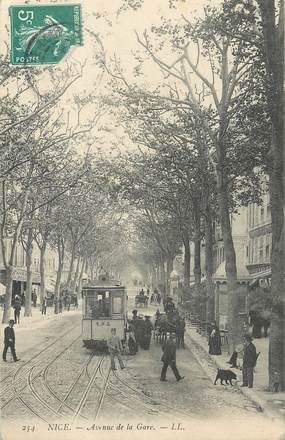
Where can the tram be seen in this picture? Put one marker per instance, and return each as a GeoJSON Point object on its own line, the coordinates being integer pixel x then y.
{"type": "Point", "coordinates": [104, 306]}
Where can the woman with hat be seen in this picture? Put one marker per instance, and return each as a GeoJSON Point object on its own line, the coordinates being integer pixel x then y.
{"type": "Point", "coordinates": [215, 341]}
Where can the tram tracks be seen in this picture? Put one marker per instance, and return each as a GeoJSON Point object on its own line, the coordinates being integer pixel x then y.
{"type": "Point", "coordinates": [128, 397]}
{"type": "Point", "coordinates": [136, 395]}
{"type": "Point", "coordinates": [39, 397]}
{"type": "Point", "coordinates": [24, 374]}
{"type": "Point", "coordinates": [5, 388]}
{"type": "Point", "coordinates": [87, 390]}
{"type": "Point", "coordinates": [38, 405]}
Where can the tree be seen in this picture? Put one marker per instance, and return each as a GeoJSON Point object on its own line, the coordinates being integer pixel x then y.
{"type": "Point", "coordinates": [273, 33]}
{"type": "Point", "coordinates": [260, 24]}
{"type": "Point", "coordinates": [213, 100]}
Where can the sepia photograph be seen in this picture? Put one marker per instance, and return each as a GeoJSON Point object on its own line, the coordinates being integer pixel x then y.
{"type": "Point", "coordinates": [142, 254]}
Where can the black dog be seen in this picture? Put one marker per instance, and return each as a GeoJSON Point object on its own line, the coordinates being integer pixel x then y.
{"type": "Point", "coordinates": [226, 375]}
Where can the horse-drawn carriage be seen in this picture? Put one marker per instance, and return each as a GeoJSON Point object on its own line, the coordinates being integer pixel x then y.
{"type": "Point", "coordinates": [167, 323]}
{"type": "Point", "coordinates": [141, 301]}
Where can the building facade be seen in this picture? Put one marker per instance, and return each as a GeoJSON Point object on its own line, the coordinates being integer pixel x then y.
{"type": "Point", "coordinates": [259, 241]}
{"type": "Point", "coordinates": [20, 272]}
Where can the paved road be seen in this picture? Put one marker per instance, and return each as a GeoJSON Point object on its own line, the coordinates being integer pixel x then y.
{"type": "Point", "coordinates": [58, 380]}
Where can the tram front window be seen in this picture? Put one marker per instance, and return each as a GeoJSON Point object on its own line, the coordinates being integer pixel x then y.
{"type": "Point", "coordinates": [117, 305]}
{"type": "Point", "coordinates": [101, 306]}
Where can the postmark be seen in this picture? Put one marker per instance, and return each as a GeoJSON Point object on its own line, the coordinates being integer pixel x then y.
{"type": "Point", "coordinates": [43, 34]}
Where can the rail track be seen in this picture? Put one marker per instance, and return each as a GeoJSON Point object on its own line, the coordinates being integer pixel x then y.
{"type": "Point", "coordinates": [43, 350]}
{"type": "Point", "coordinates": [21, 374]}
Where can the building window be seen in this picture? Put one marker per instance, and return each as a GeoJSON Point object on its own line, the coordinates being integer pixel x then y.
{"type": "Point", "coordinates": [16, 256]}
{"type": "Point", "coordinates": [249, 216]}
{"type": "Point", "coordinates": [252, 215]}
{"type": "Point", "coordinates": [268, 248]}
{"type": "Point", "coordinates": [268, 212]}
{"type": "Point", "coordinates": [262, 214]}
{"type": "Point", "coordinates": [260, 250]}
{"type": "Point", "coordinates": [255, 258]}
{"type": "Point", "coordinates": [256, 216]}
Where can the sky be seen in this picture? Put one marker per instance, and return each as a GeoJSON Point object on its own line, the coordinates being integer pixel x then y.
{"type": "Point", "coordinates": [117, 34]}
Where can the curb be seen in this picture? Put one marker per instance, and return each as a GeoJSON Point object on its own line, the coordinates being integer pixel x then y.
{"type": "Point", "coordinates": [252, 397]}
{"type": "Point", "coordinates": [29, 321]}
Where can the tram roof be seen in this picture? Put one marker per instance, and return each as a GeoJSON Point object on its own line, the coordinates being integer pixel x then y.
{"type": "Point", "coordinates": [101, 285]}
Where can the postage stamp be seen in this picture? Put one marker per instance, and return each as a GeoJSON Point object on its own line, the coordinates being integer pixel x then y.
{"type": "Point", "coordinates": [43, 34]}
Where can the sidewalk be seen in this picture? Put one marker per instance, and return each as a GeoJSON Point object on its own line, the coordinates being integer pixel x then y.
{"type": "Point", "coordinates": [272, 404]}
{"type": "Point", "coordinates": [37, 319]}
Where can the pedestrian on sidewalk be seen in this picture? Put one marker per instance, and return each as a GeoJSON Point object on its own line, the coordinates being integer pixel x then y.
{"type": "Point", "coordinates": [9, 341]}
{"type": "Point", "coordinates": [44, 306]}
{"type": "Point", "coordinates": [215, 341]}
{"type": "Point", "coordinates": [169, 358]}
{"type": "Point", "coordinates": [17, 309]}
{"type": "Point", "coordinates": [115, 349]}
{"type": "Point", "coordinates": [34, 298]}
{"type": "Point", "coordinates": [249, 362]}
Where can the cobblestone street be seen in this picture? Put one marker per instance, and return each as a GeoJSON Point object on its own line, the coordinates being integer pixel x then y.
{"type": "Point", "coordinates": [59, 381]}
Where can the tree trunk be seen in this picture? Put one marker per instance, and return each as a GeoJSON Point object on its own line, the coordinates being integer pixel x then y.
{"type": "Point", "coordinates": [210, 311]}
{"type": "Point", "coordinates": [169, 269]}
{"type": "Point", "coordinates": [8, 299]}
{"type": "Point", "coordinates": [277, 328]}
{"type": "Point", "coordinates": [91, 265]}
{"type": "Point", "coordinates": [71, 267]}
{"type": "Point", "coordinates": [230, 255]}
{"type": "Point", "coordinates": [162, 276]}
{"type": "Point", "coordinates": [274, 50]}
{"type": "Point", "coordinates": [154, 276]}
{"type": "Point", "coordinates": [75, 279]}
{"type": "Point", "coordinates": [29, 256]}
{"type": "Point", "coordinates": [9, 266]}
{"type": "Point", "coordinates": [60, 251]}
{"type": "Point", "coordinates": [187, 258]}
{"type": "Point", "coordinates": [81, 278]}
{"type": "Point", "coordinates": [197, 252]}
{"type": "Point", "coordinates": [42, 271]}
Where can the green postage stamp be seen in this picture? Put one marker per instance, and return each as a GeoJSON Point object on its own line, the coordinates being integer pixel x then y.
{"type": "Point", "coordinates": [43, 34]}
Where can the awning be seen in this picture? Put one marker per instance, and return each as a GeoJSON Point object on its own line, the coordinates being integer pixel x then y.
{"type": "Point", "coordinates": [49, 285]}
{"type": "Point", "coordinates": [261, 275]}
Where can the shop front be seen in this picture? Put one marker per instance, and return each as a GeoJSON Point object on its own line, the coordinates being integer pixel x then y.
{"type": "Point", "coordinates": [19, 276]}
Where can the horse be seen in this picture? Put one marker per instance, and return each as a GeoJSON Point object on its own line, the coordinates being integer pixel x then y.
{"type": "Point", "coordinates": [141, 301]}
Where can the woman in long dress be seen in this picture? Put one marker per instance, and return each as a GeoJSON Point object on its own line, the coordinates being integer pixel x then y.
{"type": "Point", "coordinates": [215, 341]}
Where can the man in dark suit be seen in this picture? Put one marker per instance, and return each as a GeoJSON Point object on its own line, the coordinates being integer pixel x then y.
{"type": "Point", "coordinates": [147, 330]}
{"type": "Point", "coordinates": [169, 358]}
{"type": "Point", "coordinates": [17, 309]}
{"type": "Point", "coordinates": [249, 362]}
{"type": "Point", "coordinates": [9, 341]}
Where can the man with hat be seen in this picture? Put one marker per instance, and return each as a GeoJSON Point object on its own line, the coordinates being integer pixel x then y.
{"type": "Point", "coordinates": [169, 358]}
{"type": "Point", "coordinates": [147, 330]}
{"type": "Point", "coordinates": [9, 341]}
{"type": "Point", "coordinates": [249, 362]}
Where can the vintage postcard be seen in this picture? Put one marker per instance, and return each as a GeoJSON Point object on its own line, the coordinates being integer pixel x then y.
{"type": "Point", "coordinates": [141, 219]}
